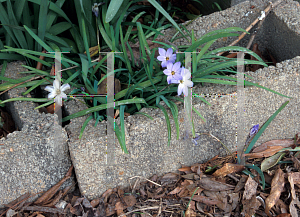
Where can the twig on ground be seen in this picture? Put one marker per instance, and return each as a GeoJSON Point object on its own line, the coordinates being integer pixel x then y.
{"type": "Point", "coordinates": [146, 179]}
{"type": "Point", "coordinates": [266, 11]}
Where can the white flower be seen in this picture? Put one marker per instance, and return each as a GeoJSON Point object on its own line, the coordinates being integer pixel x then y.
{"type": "Point", "coordinates": [57, 92]}
{"type": "Point", "coordinates": [184, 82]}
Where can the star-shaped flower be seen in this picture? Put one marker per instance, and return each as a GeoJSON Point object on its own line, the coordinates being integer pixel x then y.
{"type": "Point", "coordinates": [95, 8]}
{"type": "Point", "coordinates": [57, 92]}
{"type": "Point", "coordinates": [166, 56]}
{"type": "Point", "coordinates": [173, 71]}
{"type": "Point", "coordinates": [184, 82]}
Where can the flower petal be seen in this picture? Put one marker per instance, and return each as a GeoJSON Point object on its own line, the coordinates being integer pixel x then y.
{"type": "Point", "coordinates": [161, 58]}
{"type": "Point", "coordinates": [65, 87]}
{"type": "Point", "coordinates": [51, 95]}
{"type": "Point", "coordinates": [63, 95]}
{"type": "Point", "coordinates": [49, 88]}
{"type": "Point", "coordinates": [169, 78]}
{"type": "Point", "coordinates": [185, 90]}
{"type": "Point", "coordinates": [187, 74]}
{"type": "Point", "coordinates": [169, 66]}
{"type": "Point", "coordinates": [167, 72]}
{"type": "Point", "coordinates": [188, 83]}
{"type": "Point", "coordinates": [169, 52]}
{"type": "Point", "coordinates": [174, 81]}
{"type": "Point", "coordinates": [176, 67]}
{"type": "Point", "coordinates": [177, 76]}
{"type": "Point", "coordinates": [164, 64]}
{"type": "Point", "coordinates": [162, 52]}
{"type": "Point", "coordinates": [172, 58]}
{"type": "Point", "coordinates": [180, 89]}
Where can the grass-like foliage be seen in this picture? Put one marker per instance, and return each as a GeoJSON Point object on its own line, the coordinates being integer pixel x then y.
{"type": "Point", "coordinates": [38, 25]}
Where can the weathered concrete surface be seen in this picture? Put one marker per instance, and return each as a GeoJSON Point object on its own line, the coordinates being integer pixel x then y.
{"type": "Point", "coordinates": [35, 158]}
{"type": "Point", "coordinates": [147, 139]}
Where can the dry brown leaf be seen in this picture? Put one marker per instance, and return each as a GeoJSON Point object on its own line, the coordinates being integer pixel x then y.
{"type": "Point", "coordinates": [203, 199]}
{"type": "Point", "coordinates": [296, 163]}
{"type": "Point", "coordinates": [228, 199]}
{"type": "Point", "coordinates": [185, 169]}
{"type": "Point", "coordinates": [176, 190]}
{"type": "Point", "coordinates": [285, 143]}
{"type": "Point", "coordinates": [276, 189]}
{"type": "Point", "coordinates": [119, 208]}
{"type": "Point", "coordinates": [95, 202]}
{"type": "Point", "coordinates": [130, 200]}
{"type": "Point", "coordinates": [271, 150]}
{"type": "Point", "coordinates": [250, 188]}
{"type": "Point", "coordinates": [211, 185]}
{"type": "Point", "coordinates": [189, 176]}
{"type": "Point", "coordinates": [250, 206]}
{"type": "Point", "coordinates": [284, 215]}
{"type": "Point", "coordinates": [240, 184]}
{"type": "Point", "coordinates": [190, 210]}
{"type": "Point", "coordinates": [295, 200]}
{"type": "Point", "coordinates": [227, 169]}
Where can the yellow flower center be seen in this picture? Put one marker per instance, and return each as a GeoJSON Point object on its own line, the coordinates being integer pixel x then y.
{"type": "Point", "coordinates": [167, 58]}
{"type": "Point", "coordinates": [173, 73]}
{"type": "Point", "coordinates": [181, 81]}
{"type": "Point", "coordinates": [58, 92]}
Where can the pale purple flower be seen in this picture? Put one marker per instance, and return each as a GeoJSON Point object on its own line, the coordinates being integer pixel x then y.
{"type": "Point", "coordinates": [184, 82]}
{"type": "Point", "coordinates": [57, 92]}
{"type": "Point", "coordinates": [95, 8]}
{"type": "Point", "coordinates": [173, 71]}
{"type": "Point", "coordinates": [195, 139]}
{"type": "Point", "coordinates": [166, 56]}
{"type": "Point", "coordinates": [254, 130]}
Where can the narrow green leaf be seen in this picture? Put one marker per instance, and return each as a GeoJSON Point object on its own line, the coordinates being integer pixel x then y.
{"type": "Point", "coordinates": [259, 172]}
{"type": "Point", "coordinates": [42, 22]}
{"type": "Point", "coordinates": [59, 28]}
{"type": "Point", "coordinates": [112, 9]}
{"type": "Point", "coordinates": [39, 41]}
{"type": "Point", "coordinates": [84, 125]}
{"type": "Point", "coordinates": [161, 10]}
{"type": "Point", "coordinates": [262, 129]}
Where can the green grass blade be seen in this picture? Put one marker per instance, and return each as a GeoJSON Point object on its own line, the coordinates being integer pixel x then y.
{"type": "Point", "coordinates": [39, 41]}
{"type": "Point", "coordinates": [42, 22]}
{"type": "Point", "coordinates": [102, 107]}
{"type": "Point", "coordinates": [168, 122]}
{"type": "Point", "coordinates": [161, 10]}
{"type": "Point", "coordinates": [142, 113]}
{"type": "Point", "coordinates": [59, 28]}
{"type": "Point", "coordinates": [259, 172]}
{"type": "Point", "coordinates": [262, 129]}
{"type": "Point", "coordinates": [112, 9]}
{"type": "Point", "coordinates": [130, 27]}
{"type": "Point", "coordinates": [84, 125]}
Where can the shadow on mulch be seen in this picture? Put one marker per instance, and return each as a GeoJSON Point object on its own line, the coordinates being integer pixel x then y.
{"type": "Point", "coordinates": [218, 187]}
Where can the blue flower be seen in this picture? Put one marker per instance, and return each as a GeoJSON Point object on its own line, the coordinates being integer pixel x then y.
{"type": "Point", "coordinates": [195, 139]}
{"type": "Point", "coordinates": [184, 82]}
{"type": "Point", "coordinates": [95, 8]}
{"type": "Point", "coordinates": [254, 130]}
{"type": "Point", "coordinates": [166, 56]}
{"type": "Point", "coordinates": [173, 72]}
